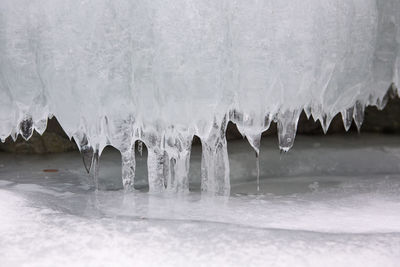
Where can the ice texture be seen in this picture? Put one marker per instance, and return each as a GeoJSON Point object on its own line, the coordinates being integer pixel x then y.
{"type": "Point", "coordinates": [115, 72]}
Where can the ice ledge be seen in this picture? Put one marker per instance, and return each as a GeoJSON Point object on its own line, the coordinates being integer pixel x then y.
{"type": "Point", "coordinates": [169, 148]}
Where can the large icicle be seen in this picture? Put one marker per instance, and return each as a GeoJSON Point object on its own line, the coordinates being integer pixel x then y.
{"type": "Point", "coordinates": [215, 162]}
{"type": "Point", "coordinates": [178, 148]}
{"type": "Point", "coordinates": [156, 165]}
{"type": "Point", "coordinates": [287, 127]}
{"type": "Point", "coordinates": [122, 136]}
{"type": "Point", "coordinates": [157, 161]}
{"type": "Point", "coordinates": [128, 168]}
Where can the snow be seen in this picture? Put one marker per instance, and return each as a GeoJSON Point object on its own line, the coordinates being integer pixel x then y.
{"type": "Point", "coordinates": [307, 213]}
{"type": "Point", "coordinates": [114, 72]}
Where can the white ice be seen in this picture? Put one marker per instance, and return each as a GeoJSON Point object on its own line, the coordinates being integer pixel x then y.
{"type": "Point", "coordinates": [340, 208]}
{"type": "Point", "coordinates": [114, 72]}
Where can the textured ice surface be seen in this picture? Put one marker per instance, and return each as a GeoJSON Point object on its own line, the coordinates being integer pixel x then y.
{"type": "Point", "coordinates": [330, 202]}
{"type": "Point", "coordinates": [114, 72]}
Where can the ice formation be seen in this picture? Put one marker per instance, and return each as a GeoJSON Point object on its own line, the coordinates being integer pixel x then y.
{"type": "Point", "coordinates": [115, 72]}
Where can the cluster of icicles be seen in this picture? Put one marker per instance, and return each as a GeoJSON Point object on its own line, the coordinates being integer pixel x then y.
{"type": "Point", "coordinates": [163, 71]}
{"type": "Point", "coordinates": [169, 150]}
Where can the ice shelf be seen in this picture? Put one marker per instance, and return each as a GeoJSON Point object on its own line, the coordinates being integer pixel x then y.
{"type": "Point", "coordinates": [115, 72]}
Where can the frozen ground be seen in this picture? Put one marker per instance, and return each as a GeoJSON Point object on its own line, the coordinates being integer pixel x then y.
{"type": "Point", "coordinates": [331, 201]}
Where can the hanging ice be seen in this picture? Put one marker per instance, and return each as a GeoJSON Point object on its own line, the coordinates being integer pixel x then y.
{"type": "Point", "coordinates": [114, 72]}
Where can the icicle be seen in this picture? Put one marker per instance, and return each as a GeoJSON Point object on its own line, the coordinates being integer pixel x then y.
{"type": "Point", "coordinates": [347, 116]}
{"type": "Point", "coordinates": [325, 122]}
{"type": "Point", "coordinates": [128, 168]}
{"type": "Point", "coordinates": [287, 127]}
{"type": "Point", "coordinates": [255, 141]}
{"type": "Point", "coordinates": [182, 171]}
{"type": "Point", "coordinates": [39, 111]}
{"type": "Point", "coordinates": [121, 136]}
{"type": "Point", "coordinates": [171, 176]}
{"type": "Point", "coordinates": [166, 168]}
{"type": "Point", "coordinates": [307, 111]}
{"type": "Point", "coordinates": [358, 114]}
{"type": "Point", "coordinates": [26, 128]}
{"type": "Point", "coordinates": [252, 128]}
{"type": "Point", "coordinates": [178, 145]}
{"type": "Point", "coordinates": [179, 173]}
{"type": "Point", "coordinates": [215, 162]}
{"type": "Point", "coordinates": [140, 147]}
{"type": "Point", "coordinates": [95, 168]}
{"type": "Point", "coordinates": [155, 165]}
{"type": "Point", "coordinates": [14, 134]}
{"type": "Point", "coordinates": [86, 150]}
{"type": "Point", "coordinates": [40, 126]}
{"type": "Point", "coordinates": [215, 169]}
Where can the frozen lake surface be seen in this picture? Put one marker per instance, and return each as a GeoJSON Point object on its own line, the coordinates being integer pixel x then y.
{"type": "Point", "coordinates": [331, 201]}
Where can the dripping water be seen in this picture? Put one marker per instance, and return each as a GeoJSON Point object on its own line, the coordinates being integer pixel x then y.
{"type": "Point", "coordinates": [258, 170]}
{"type": "Point", "coordinates": [255, 142]}
{"type": "Point", "coordinates": [95, 169]}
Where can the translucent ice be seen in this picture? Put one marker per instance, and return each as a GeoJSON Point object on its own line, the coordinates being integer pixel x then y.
{"type": "Point", "coordinates": [160, 72]}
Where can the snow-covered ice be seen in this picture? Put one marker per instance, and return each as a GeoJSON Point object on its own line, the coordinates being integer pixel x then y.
{"type": "Point", "coordinates": [332, 201]}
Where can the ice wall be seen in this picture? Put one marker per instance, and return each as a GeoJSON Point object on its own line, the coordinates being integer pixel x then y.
{"type": "Point", "coordinates": [117, 71]}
